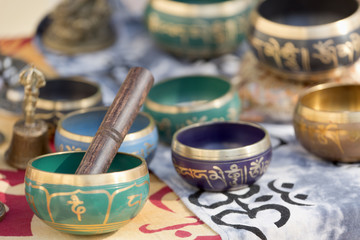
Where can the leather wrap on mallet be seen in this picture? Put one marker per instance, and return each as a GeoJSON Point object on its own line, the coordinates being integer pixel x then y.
{"type": "Point", "coordinates": [117, 122]}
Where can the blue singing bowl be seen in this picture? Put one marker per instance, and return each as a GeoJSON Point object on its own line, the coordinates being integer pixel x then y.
{"type": "Point", "coordinates": [76, 130]}
{"type": "Point", "coordinates": [221, 156]}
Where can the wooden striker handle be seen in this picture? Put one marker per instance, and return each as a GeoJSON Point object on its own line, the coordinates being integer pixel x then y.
{"type": "Point", "coordinates": [117, 122]}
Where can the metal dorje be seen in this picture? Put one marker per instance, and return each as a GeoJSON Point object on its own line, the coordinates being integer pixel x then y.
{"type": "Point", "coordinates": [30, 135]}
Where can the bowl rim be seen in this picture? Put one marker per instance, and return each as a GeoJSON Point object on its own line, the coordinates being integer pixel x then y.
{"type": "Point", "coordinates": [222, 155]}
{"type": "Point", "coordinates": [83, 180]}
{"type": "Point", "coordinates": [311, 114]}
{"type": "Point", "coordinates": [328, 30]}
{"type": "Point", "coordinates": [65, 105]}
{"type": "Point", "coordinates": [195, 10]}
{"type": "Point", "coordinates": [88, 139]}
{"type": "Point", "coordinates": [195, 107]}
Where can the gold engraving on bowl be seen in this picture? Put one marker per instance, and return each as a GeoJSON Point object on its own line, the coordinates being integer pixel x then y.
{"type": "Point", "coordinates": [216, 174]}
{"type": "Point", "coordinates": [322, 133]}
{"type": "Point", "coordinates": [53, 195]}
{"type": "Point", "coordinates": [286, 55]}
{"type": "Point", "coordinates": [326, 52]}
{"type": "Point", "coordinates": [235, 173]}
{"type": "Point", "coordinates": [198, 174]}
{"type": "Point", "coordinates": [258, 167]}
{"type": "Point", "coordinates": [30, 199]}
{"type": "Point", "coordinates": [69, 148]}
{"type": "Point", "coordinates": [76, 202]}
{"type": "Point", "coordinates": [131, 199]}
{"type": "Point", "coordinates": [218, 32]}
{"type": "Point", "coordinates": [330, 30]}
{"type": "Point", "coordinates": [238, 176]}
{"type": "Point", "coordinates": [143, 152]}
{"type": "Point", "coordinates": [75, 206]}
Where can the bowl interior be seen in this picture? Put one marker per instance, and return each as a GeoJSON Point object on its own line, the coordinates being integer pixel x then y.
{"type": "Point", "coordinates": [67, 163]}
{"type": "Point", "coordinates": [87, 123]}
{"type": "Point", "coordinates": [189, 90]}
{"type": "Point", "coordinates": [307, 12]}
{"type": "Point", "coordinates": [67, 90]}
{"type": "Point", "coordinates": [334, 99]}
{"type": "Point", "coordinates": [221, 135]}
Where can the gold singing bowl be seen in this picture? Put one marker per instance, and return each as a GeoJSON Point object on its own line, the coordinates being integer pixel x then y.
{"type": "Point", "coordinates": [327, 121]}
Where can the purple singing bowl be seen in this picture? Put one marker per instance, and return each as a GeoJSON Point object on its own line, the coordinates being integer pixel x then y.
{"type": "Point", "coordinates": [221, 156]}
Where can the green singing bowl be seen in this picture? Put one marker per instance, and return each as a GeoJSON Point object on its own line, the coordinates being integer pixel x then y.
{"type": "Point", "coordinates": [86, 204]}
{"type": "Point", "coordinates": [198, 28]}
{"type": "Point", "coordinates": [181, 101]}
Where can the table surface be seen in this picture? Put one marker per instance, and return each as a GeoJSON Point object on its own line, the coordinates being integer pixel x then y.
{"type": "Point", "coordinates": [163, 217]}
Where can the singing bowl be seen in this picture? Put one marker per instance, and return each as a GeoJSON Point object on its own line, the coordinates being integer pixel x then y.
{"type": "Point", "coordinates": [66, 94]}
{"type": "Point", "coordinates": [221, 156]}
{"type": "Point", "coordinates": [306, 40]}
{"type": "Point", "coordinates": [327, 121]}
{"type": "Point", "coordinates": [86, 204]}
{"type": "Point", "coordinates": [198, 29]}
{"type": "Point", "coordinates": [76, 130]}
{"type": "Point", "coordinates": [181, 101]}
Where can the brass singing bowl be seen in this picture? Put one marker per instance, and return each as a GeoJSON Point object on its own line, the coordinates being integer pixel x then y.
{"type": "Point", "coordinates": [327, 121]}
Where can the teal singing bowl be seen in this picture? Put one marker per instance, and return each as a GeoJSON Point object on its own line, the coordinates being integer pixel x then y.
{"type": "Point", "coordinates": [76, 130]}
{"type": "Point", "coordinates": [86, 204]}
{"type": "Point", "coordinates": [181, 101]}
{"type": "Point", "coordinates": [198, 28]}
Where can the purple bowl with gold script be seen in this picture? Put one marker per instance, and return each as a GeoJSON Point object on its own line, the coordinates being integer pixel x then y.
{"type": "Point", "coordinates": [221, 156]}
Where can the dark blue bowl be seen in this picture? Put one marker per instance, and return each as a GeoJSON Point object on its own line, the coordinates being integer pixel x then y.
{"type": "Point", "coordinates": [220, 156]}
{"type": "Point", "coordinates": [306, 40]}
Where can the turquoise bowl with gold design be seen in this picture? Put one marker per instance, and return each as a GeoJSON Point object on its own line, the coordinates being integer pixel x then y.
{"type": "Point", "coordinates": [306, 40]}
{"type": "Point", "coordinates": [198, 29]}
{"type": "Point", "coordinates": [76, 130]}
{"type": "Point", "coordinates": [327, 121]}
{"type": "Point", "coordinates": [181, 101]}
{"type": "Point", "coordinates": [221, 156]}
{"type": "Point", "coordinates": [86, 204]}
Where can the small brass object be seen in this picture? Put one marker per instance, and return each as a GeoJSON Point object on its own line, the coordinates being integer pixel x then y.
{"type": "Point", "coordinates": [30, 135]}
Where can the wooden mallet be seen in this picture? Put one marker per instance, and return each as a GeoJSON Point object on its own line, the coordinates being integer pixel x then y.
{"type": "Point", "coordinates": [117, 122]}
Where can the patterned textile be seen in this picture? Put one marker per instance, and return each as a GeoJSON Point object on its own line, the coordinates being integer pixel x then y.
{"type": "Point", "coordinates": [299, 197]}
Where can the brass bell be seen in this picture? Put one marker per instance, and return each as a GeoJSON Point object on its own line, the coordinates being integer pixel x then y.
{"type": "Point", "coordinates": [30, 135]}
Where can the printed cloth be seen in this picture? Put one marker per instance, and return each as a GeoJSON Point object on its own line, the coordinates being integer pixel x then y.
{"type": "Point", "coordinates": [299, 197]}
